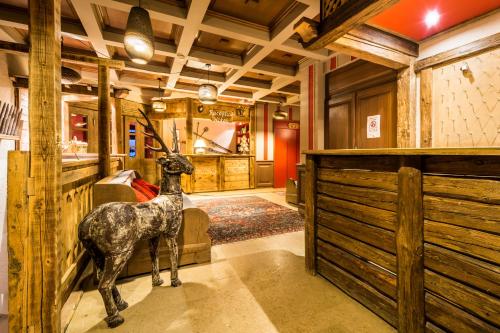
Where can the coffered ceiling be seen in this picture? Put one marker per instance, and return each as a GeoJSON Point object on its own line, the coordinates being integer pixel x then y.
{"type": "Point", "coordinates": [250, 44]}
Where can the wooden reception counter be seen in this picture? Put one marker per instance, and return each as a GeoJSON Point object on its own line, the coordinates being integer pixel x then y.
{"type": "Point", "coordinates": [413, 234]}
{"type": "Point", "coordinates": [214, 172]}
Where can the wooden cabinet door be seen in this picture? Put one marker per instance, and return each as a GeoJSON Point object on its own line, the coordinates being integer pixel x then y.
{"type": "Point", "coordinates": [339, 122]}
{"type": "Point", "coordinates": [376, 107]}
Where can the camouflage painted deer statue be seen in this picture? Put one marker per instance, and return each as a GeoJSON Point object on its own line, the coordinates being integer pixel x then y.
{"type": "Point", "coordinates": [111, 231]}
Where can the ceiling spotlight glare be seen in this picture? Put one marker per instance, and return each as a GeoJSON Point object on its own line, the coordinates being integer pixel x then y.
{"type": "Point", "coordinates": [432, 18]}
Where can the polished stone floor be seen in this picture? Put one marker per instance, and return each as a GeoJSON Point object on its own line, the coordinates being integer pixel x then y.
{"type": "Point", "coordinates": [257, 285]}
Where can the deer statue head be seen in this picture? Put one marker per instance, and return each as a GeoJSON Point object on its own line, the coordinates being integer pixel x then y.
{"type": "Point", "coordinates": [173, 163]}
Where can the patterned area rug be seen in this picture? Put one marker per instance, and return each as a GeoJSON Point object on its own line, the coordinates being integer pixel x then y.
{"type": "Point", "coordinates": [239, 218]}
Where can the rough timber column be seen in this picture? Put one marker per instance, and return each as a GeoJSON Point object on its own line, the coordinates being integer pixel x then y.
{"type": "Point", "coordinates": [104, 109]}
{"type": "Point", "coordinates": [44, 276]}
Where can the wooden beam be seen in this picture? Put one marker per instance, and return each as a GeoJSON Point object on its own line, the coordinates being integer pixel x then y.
{"type": "Point", "coordinates": [347, 17]}
{"type": "Point", "coordinates": [44, 269]}
{"type": "Point", "coordinates": [410, 250]}
{"type": "Point", "coordinates": [310, 206]}
{"type": "Point", "coordinates": [467, 50]}
{"type": "Point", "coordinates": [104, 115]}
{"type": "Point", "coordinates": [426, 108]}
{"type": "Point", "coordinates": [406, 108]}
{"type": "Point", "coordinates": [385, 39]}
{"type": "Point", "coordinates": [119, 125]}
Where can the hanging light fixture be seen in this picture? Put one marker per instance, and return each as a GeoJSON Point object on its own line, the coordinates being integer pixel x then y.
{"type": "Point", "coordinates": [207, 92]}
{"type": "Point", "coordinates": [69, 76]}
{"type": "Point", "coordinates": [139, 40]}
{"type": "Point", "coordinates": [159, 105]}
{"type": "Point", "coordinates": [278, 114]}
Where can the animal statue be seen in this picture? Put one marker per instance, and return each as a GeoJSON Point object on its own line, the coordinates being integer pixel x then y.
{"type": "Point", "coordinates": [111, 231]}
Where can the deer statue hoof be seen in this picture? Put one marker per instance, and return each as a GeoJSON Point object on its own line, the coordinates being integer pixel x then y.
{"type": "Point", "coordinates": [114, 320]}
{"type": "Point", "coordinates": [122, 305]}
{"type": "Point", "coordinates": [175, 283]}
{"type": "Point", "coordinates": [157, 282]}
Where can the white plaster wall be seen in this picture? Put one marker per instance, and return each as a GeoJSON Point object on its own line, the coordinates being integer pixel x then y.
{"type": "Point", "coordinates": [6, 95]}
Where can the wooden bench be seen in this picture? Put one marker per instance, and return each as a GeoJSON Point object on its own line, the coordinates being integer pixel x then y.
{"type": "Point", "coordinates": [194, 242]}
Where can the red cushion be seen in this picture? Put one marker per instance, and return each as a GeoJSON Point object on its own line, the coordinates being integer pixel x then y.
{"type": "Point", "coordinates": [144, 190]}
{"type": "Point", "coordinates": [154, 188]}
{"type": "Point", "coordinates": [139, 196]}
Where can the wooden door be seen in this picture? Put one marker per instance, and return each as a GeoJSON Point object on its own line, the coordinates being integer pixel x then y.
{"type": "Point", "coordinates": [375, 117]}
{"type": "Point", "coordinates": [339, 122]}
{"type": "Point", "coordinates": [286, 151]}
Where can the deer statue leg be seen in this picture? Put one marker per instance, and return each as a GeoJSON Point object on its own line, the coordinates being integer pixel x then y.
{"type": "Point", "coordinates": [120, 303]}
{"type": "Point", "coordinates": [174, 256]}
{"type": "Point", "coordinates": [113, 265]}
{"type": "Point", "coordinates": [154, 253]}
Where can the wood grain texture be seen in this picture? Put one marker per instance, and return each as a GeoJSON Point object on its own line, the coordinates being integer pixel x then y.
{"type": "Point", "coordinates": [463, 268]}
{"type": "Point", "coordinates": [369, 197]}
{"type": "Point", "coordinates": [382, 163]}
{"type": "Point", "coordinates": [119, 125]}
{"type": "Point", "coordinates": [378, 180]}
{"type": "Point", "coordinates": [426, 108]}
{"type": "Point", "coordinates": [378, 237]}
{"type": "Point", "coordinates": [406, 107]}
{"type": "Point", "coordinates": [479, 244]}
{"type": "Point", "coordinates": [360, 249]}
{"type": "Point", "coordinates": [409, 245]}
{"type": "Point", "coordinates": [467, 50]}
{"type": "Point", "coordinates": [17, 238]}
{"type": "Point", "coordinates": [44, 273]}
{"type": "Point", "coordinates": [310, 206]}
{"type": "Point", "coordinates": [482, 305]}
{"type": "Point", "coordinates": [104, 109]}
{"type": "Point", "coordinates": [471, 165]}
{"type": "Point", "coordinates": [380, 304]}
{"type": "Point", "coordinates": [376, 277]}
{"type": "Point", "coordinates": [485, 154]}
{"type": "Point", "coordinates": [377, 217]}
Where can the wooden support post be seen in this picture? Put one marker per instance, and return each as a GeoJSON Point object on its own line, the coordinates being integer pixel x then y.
{"type": "Point", "coordinates": [410, 249]}
{"type": "Point", "coordinates": [44, 185]}
{"type": "Point", "coordinates": [426, 108]}
{"type": "Point", "coordinates": [189, 126]}
{"type": "Point", "coordinates": [406, 107]}
{"type": "Point", "coordinates": [104, 111]}
{"type": "Point", "coordinates": [119, 125]}
{"type": "Point", "coordinates": [310, 227]}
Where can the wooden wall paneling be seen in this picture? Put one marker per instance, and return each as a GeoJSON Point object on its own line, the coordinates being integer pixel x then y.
{"type": "Point", "coordinates": [119, 125]}
{"type": "Point", "coordinates": [377, 180]}
{"type": "Point", "coordinates": [236, 173]}
{"type": "Point", "coordinates": [410, 244]}
{"type": "Point", "coordinates": [310, 224]}
{"type": "Point", "coordinates": [463, 165]}
{"type": "Point", "coordinates": [264, 171]}
{"type": "Point", "coordinates": [189, 126]}
{"type": "Point", "coordinates": [339, 122]}
{"type": "Point", "coordinates": [251, 171]}
{"type": "Point", "coordinates": [44, 274]}
{"type": "Point", "coordinates": [406, 107]}
{"type": "Point", "coordinates": [17, 239]}
{"type": "Point", "coordinates": [381, 163]}
{"type": "Point", "coordinates": [426, 108]}
{"type": "Point", "coordinates": [104, 109]}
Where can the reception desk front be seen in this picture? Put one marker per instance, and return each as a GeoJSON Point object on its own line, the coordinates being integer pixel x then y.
{"type": "Point", "coordinates": [219, 172]}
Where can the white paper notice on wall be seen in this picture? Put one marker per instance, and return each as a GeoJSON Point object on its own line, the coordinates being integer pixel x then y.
{"type": "Point", "coordinates": [373, 126]}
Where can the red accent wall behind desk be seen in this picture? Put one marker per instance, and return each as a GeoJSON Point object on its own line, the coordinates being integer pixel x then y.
{"type": "Point", "coordinates": [286, 151]}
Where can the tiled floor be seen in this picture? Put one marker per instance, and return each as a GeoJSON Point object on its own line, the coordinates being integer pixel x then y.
{"type": "Point", "coordinates": [258, 285]}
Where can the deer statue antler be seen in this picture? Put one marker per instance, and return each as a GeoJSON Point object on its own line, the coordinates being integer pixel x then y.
{"type": "Point", "coordinates": [149, 127]}
{"type": "Point", "coordinates": [175, 139]}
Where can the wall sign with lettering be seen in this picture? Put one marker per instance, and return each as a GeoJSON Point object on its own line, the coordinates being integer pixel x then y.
{"type": "Point", "coordinates": [373, 127]}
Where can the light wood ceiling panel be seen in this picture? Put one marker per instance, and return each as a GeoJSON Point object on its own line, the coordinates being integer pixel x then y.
{"type": "Point", "coordinates": [222, 44]}
{"type": "Point", "coordinates": [283, 58]}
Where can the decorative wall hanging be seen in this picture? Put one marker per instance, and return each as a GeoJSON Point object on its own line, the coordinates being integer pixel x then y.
{"type": "Point", "coordinates": [10, 119]}
{"type": "Point", "coordinates": [207, 93]}
{"type": "Point", "coordinates": [129, 223]}
{"type": "Point", "coordinates": [139, 39]}
{"type": "Point", "coordinates": [218, 115]}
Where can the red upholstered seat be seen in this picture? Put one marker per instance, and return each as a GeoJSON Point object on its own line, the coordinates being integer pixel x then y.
{"type": "Point", "coordinates": [154, 188]}
{"type": "Point", "coordinates": [139, 196]}
{"type": "Point", "coordinates": [149, 194]}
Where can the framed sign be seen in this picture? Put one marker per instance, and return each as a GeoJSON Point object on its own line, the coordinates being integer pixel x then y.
{"type": "Point", "coordinates": [373, 127]}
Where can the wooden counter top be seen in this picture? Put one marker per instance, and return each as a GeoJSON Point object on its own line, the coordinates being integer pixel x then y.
{"type": "Point", "coordinates": [219, 155]}
{"type": "Point", "coordinates": [406, 151]}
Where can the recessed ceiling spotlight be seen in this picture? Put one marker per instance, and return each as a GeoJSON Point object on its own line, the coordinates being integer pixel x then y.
{"type": "Point", "coordinates": [432, 18]}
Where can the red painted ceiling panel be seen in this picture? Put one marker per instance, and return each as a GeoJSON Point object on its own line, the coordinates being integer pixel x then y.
{"type": "Point", "coordinates": [407, 16]}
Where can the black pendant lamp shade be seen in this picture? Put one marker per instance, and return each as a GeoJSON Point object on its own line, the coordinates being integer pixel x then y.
{"type": "Point", "coordinates": [139, 40]}
{"type": "Point", "coordinates": [69, 76]}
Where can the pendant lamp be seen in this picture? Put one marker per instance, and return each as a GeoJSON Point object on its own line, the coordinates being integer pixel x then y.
{"type": "Point", "coordinates": [69, 76]}
{"type": "Point", "coordinates": [278, 114]}
{"type": "Point", "coordinates": [207, 93]}
{"type": "Point", "coordinates": [139, 40]}
{"type": "Point", "coordinates": [159, 105]}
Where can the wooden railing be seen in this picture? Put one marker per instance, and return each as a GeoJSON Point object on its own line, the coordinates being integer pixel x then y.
{"type": "Point", "coordinates": [414, 235]}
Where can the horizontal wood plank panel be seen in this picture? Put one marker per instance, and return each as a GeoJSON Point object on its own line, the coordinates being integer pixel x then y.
{"type": "Point", "coordinates": [378, 180]}
{"type": "Point", "coordinates": [370, 197]}
{"type": "Point", "coordinates": [465, 269]}
{"type": "Point", "coordinates": [360, 249]}
{"type": "Point", "coordinates": [468, 214]}
{"type": "Point", "coordinates": [374, 216]}
{"type": "Point", "coordinates": [380, 238]}
{"type": "Point", "coordinates": [463, 165]}
{"type": "Point", "coordinates": [453, 318]}
{"type": "Point", "coordinates": [359, 290]}
{"type": "Point", "coordinates": [375, 276]}
{"type": "Point", "coordinates": [471, 242]}
{"type": "Point", "coordinates": [484, 306]}
{"type": "Point", "coordinates": [431, 328]}
{"type": "Point", "coordinates": [381, 163]}
{"type": "Point", "coordinates": [71, 176]}
{"type": "Point", "coordinates": [474, 189]}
